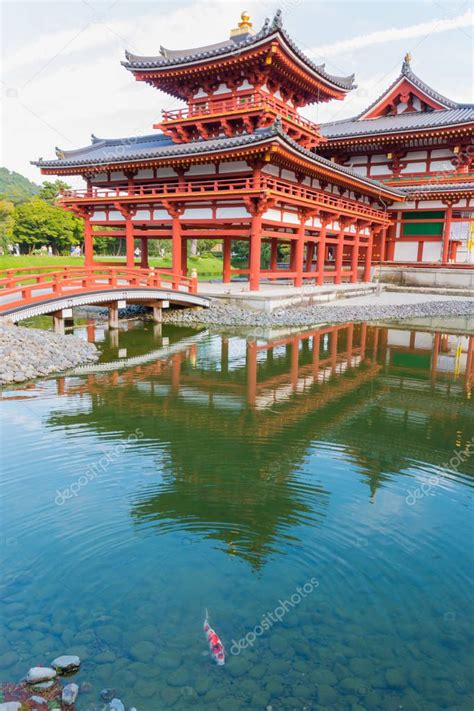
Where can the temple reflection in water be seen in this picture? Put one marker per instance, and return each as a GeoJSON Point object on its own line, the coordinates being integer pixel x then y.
{"type": "Point", "coordinates": [233, 418]}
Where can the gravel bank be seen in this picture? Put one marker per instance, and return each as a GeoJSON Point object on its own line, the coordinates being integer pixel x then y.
{"type": "Point", "coordinates": [220, 314]}
{"type": "Point", "coordinates": [27, 353]}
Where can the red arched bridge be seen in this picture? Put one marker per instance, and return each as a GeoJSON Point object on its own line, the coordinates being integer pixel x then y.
{"type": "Point", "coordinates": [55, 290]}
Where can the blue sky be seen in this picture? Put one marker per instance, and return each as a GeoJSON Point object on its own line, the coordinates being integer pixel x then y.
{"type": "Point", "coordinates": [62, 79]}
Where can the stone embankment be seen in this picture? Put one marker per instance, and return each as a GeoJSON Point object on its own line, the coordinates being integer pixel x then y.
{"type": "Point", "coordinates": [225, 315]}
{"type": "Point", "coordinates": [27, 353]}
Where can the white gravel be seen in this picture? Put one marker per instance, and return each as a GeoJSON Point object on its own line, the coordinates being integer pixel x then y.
{"type": "Point", "coordinates": [359, 309]}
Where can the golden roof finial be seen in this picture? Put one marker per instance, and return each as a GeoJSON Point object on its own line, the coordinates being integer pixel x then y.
{"type": "Point", "coordinates": [245, 26]}
{"type": "Point", "coordinates": [407, 58]}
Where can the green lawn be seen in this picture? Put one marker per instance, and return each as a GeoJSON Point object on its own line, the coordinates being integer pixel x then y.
{"type": "Point", "coordinates": [206, 266]}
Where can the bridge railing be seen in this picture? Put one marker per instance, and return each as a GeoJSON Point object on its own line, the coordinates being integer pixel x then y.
{"type": "Point", "coordinates": [28, 285]}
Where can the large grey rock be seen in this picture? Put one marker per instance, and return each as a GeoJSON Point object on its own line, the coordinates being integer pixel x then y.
{"type": "Point", "coordinates": [10, 706]}
{"type": "Point", "coordinates": [69, 695]}
{"type": "Point", "coordinates": [37, 675]}
{"type": "Point", "coordinates": [66, 663]}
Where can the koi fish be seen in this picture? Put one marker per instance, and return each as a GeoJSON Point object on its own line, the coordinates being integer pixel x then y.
{"type": "Point", "coordinates": [215, 644]}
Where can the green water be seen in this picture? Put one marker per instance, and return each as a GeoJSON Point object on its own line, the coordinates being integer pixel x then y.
{"type": "Point", "coordinates": [314, 492]}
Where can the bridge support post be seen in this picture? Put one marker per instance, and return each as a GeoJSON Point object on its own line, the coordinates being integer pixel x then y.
{"type": "Point", "coordinates": [61, 320]}
{"type": "Point", "coordinates": [157, 310]}
{"type": "Point", "coordinates": [114, 315]}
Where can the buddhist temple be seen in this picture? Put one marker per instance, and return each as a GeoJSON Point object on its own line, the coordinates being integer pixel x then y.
{"type": "Point", "coordinates": [238, 162]}
{"type": "Point", "coordinates": [417, 140]}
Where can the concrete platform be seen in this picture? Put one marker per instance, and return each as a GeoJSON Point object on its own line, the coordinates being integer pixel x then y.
{"type": "Point", "coordinates": [276, 296]}
{"type": "Point", "coordinates": [458, 278]}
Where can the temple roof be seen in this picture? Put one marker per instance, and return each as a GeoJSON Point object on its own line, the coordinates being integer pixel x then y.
{"type": "Point", "coordinates": [234, 46]}
{"type": "Point", "coordinates": [409, 74]}
{"type": "Point", "coordinates": [406, 122]}
{"type": "Point", "coordinates": [155, 146]}
{"type": "Point", "coordinates": [435, 187]}
{"type": "Point", "coordinates": [438, 111]}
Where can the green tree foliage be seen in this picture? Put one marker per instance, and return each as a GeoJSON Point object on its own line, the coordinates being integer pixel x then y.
{"type": "Point", "coordinates": [50, 191]}
{"type": "Point", "coordinates": [15, 187]}
{"type": "Point", "coordinates": [7, 221]}
{"type": "Point", "coordinates": [38, 223]}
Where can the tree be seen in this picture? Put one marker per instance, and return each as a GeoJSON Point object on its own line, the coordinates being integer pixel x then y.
{"type": "Point", "coordinates": [50, 191]}
{"type": "Point", "coordinates": [39, 223]}
{"type": "Point", "coordinates": [7, 210]}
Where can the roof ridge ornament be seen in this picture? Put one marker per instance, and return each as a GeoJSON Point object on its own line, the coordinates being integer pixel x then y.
{"type": "Point", "coordinates": [277, 20]}
{"type": "Point", "coordinates": [406, 63]}
{"type": "Point", "coordinates": [245, 27]}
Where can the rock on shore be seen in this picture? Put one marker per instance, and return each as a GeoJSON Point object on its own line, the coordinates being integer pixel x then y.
{"type": "Point", "coordinates": [225, 315]}
{"type": "Point", "coordinates": [27, 353]}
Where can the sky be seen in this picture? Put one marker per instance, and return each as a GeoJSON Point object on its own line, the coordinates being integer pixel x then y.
{"type": "Point", "coordinates": [62, 79]}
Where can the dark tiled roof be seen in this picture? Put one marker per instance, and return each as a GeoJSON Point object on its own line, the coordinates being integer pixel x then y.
{"type": "Point", "coordinates": [454, 114]}
{"type": "Point", "coordinates": [413, 121]}
{"type": "Point", "coordinates": [138, 148]}
{"type": "Point", "coordinates": [169, 58]}
{"type": "Point", "coordinates": [407, 73]}
{"type": "Point", "coordinates": [435, 187]}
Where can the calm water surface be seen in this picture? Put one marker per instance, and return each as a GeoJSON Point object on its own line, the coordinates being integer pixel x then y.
{"type": "Point", "coordinates": [314, 492]}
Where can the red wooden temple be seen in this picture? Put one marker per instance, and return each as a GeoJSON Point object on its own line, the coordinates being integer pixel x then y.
{"type": "Point", "coordinates": [414, 138]}
{"type": "Point", "coordinates": [239, 162]}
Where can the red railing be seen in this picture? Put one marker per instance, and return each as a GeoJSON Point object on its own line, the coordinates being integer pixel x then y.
{"type": "Point", "coordinates": [232, 187]}
{"type": "Point", "coordinates": [258, 102]}
{"type": "Point", "coordinates": [20, 287]}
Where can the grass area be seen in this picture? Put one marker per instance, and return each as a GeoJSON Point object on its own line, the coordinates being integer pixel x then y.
{"type": "Point", "coordinates": [206, 266]}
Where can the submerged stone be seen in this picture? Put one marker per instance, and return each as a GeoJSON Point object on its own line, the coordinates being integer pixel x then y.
{"type": "Point", "coordinates": [69, 695]}
{"type": "Point", "coordinates": [36, 675]}
{"type": "Point", "coordinates": [66, 663]}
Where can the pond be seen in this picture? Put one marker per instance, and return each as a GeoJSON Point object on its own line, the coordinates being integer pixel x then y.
{"type": "Point", "coordinates": [313, 491]}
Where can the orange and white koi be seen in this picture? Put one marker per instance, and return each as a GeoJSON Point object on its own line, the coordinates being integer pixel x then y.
{"type": "Point", "coordinates": [215, 644]}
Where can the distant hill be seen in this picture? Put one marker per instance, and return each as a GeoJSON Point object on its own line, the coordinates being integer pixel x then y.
{"type": "Point", "coordinates": [16, 187]}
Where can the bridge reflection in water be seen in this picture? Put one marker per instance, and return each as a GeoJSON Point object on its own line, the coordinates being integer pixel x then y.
{"type": "Point", "coordinates": [237, 418]}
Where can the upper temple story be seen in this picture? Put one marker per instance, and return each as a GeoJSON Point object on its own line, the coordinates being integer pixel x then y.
{"type": "Point", "coordinates": [267, 60]}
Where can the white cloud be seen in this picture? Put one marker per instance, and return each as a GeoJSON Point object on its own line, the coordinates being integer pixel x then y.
{"type": "Point", "coordinates": [394, 34]}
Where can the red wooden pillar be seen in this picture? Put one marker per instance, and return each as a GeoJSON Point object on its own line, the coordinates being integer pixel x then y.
{"type": "Point", "coordinates": [184, 256]}
{"type": "Point", "coordinates": [255, 250]}
{"type": "Point", "coordinates": [321, 257]}
{"type": "Point", "coordinates": [144, 253]}
{"type": "Point", "coordinates": [273, 254]}
{"type": "Point", "coordinates": [339, 252]}
{"type": "Point", "coordinates": [299, 249]}
{"type": "Point", "coordinates": [447, 232]}
{"type": "Point", "coordinates": [368, 257]}
{"type": "Point", "coordinates": [355, 256]}
{"type": "Point", "coordinates": [309, 256]}
{"type": "Point", "coordinates": [226, 255]}
{"type": "Point", "coordinates": [88, 242]}
{"type": "Point", "coordinates": [176, 254]}
{"type": "Point", "coordinates": [129, 241]}
{"type": "Point", "coordinates": [383, 244]}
